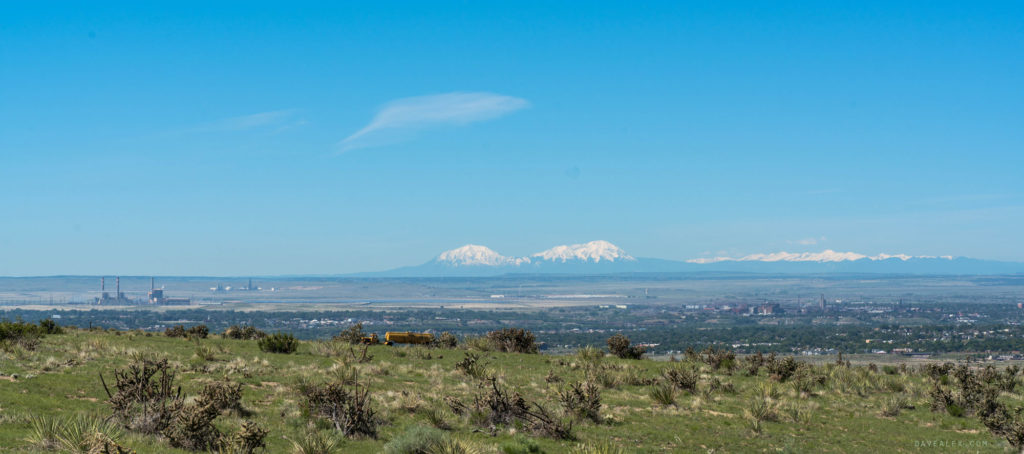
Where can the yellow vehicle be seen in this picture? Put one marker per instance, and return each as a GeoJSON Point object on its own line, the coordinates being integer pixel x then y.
{"type": "Point", "coordinates": [406, 337]}
{"type": "Point", "coordinates": [371, 339]}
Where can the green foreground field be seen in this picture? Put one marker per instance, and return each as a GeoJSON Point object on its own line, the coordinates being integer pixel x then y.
{"type": "Point", "coordinates": [728, 412]}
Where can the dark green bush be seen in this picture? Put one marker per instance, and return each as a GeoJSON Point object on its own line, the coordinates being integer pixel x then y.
{"type": "Point", "coordinates": [520, 445]}
{"type": "Point", "coordinates": [955, 410]}
{"type": "Point", "coordinates": [26, 335]}
{"type": "Point", "coordinates": [175, 331]}
{"type": "Point", "coordinates": [243, 333]}
{"type": "Point", "coordinates": [619, 346]}
{"type": "Point", "coordinates": [516, 340]}
{"type": "Point", "coordinates": [782, 369]}
{"type": "Point", "coordinates": [447, 340]}
{"type": "Point", "coordinates": [279, 343]}
{"type": "Point", "coordinates": [198, 332]}
{"type": "Point", "coordinates": [48, 326]}
{"type": "Point", "coordinates": [719, 358]}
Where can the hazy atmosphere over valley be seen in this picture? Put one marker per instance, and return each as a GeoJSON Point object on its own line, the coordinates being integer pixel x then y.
{"type": "Point", "coordinates": [441, 227]}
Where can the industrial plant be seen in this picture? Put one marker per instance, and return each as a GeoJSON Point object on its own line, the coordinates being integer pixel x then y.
{"type": "Point", "coordinates": [154, 297]}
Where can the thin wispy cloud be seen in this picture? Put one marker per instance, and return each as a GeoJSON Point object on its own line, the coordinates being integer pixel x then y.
{"type": "Point", "coordinates": [402, 116]}
{"type": "Point", "coordinates": [808, 241]}
{"type": "Point", "coordinates": [274, 120]}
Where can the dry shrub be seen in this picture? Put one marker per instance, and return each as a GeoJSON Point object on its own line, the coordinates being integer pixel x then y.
{"type": "Point", "coordinates": [146, 398]}
{"type": "Point", "coordinates": [192, 428]}
{"type": "Point", "coordinates": [634, 377]}
{"type": "Point", "coordinates": [552, 377]}
{"type": "Point", "coordinates": [147, 401]}
{"type": "Point", "coordinates": [582, 400]}
{"type": "Point", "coordinates": [496, 406]}
{"type": "Point", "coordinates": [248, 439]}
{"type": "Point", "coordinates": [682, 378]}
{"type": "Point", "coordinates": [224, 396]}
{"type": "Point", "coordinates": [753, 363]}
{"type": "Point", "coordinates": [472, 366]}
{"type": "Point", "coordinates": [346, 407]}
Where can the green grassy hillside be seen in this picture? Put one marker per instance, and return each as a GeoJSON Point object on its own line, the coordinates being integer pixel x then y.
{"type": "Point", "coordinates": [419, 393]}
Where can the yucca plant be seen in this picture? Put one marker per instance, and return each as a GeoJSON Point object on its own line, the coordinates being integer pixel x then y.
{"type": "Point", "coordinates": [44, 433]}
{"type": "Point", "coordinates": [895, 384]}
{"type": "Point", "coordinates": [797, 413]}
{"type": "Point", "coordinates": [605, 378]}
{"type": "Point", "coordinates": [342, 372]}
{"type": "Point", "coordinates": [83, 433]}
{"type": "Point", "coordinates": [455, 446]}
{"type": "Point", "coordinates": [892, 405]}
{"type": "Point", "coordinates": [762, 409]}
{"type": "Point", "coordinates": [768, 390]}
{"type": "Point", "coordinates": [205, 353]}
{"type": "Point", "coordinates": [603, 447]}
{"type": "Point", "coordinates": [415, 440]}
{"type": "Point", "coordinates": [663, 394]}
{"type": "Point", "coordinates": [589, 355]}
{"type": "Point", "coordinates": [315, 442]}
{"type": "Point", "coordinates": [755, 424]}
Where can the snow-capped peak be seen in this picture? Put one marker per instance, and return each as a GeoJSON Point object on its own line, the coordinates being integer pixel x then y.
{"type": "Point", "coordinates": [594, 251]}
{"type": "Point", "coordinates": [827, 255]}
{"type": "Point", "coordinates": [472, 254]}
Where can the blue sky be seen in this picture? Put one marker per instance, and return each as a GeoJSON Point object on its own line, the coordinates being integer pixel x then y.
{"type": "Point", "coordinates": [247, 138]}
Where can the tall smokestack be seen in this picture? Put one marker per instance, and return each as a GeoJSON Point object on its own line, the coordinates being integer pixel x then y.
{"type": "Point", "coordinates": [103, 284]}
{"type": "Point", "coordinates": [151, 287]}
{"type": "Point", "coordinates": [117, 280]}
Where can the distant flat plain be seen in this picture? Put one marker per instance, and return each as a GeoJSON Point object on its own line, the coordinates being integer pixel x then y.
{"type": "Point", "coordinates": [510, 292]}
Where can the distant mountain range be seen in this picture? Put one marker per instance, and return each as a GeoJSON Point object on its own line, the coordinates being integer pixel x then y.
{"type": "Point", "coordinates": [602, 257]}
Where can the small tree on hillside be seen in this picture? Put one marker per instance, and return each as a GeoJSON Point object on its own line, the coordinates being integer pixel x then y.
{"type": "Point", "coordinates": [619, 346]}
{"type": "Point", "coordinates": [353, 334]}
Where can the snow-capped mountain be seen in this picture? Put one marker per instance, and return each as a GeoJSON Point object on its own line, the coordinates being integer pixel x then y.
{"type": "Point", "coordinates": [602, 257]}
{"type": "Point", "coordinates": [827, 255]}
{"type": "Point", "coordinates": [472, 254]}
{"type": "Point", "coordinates": [594, 251]}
